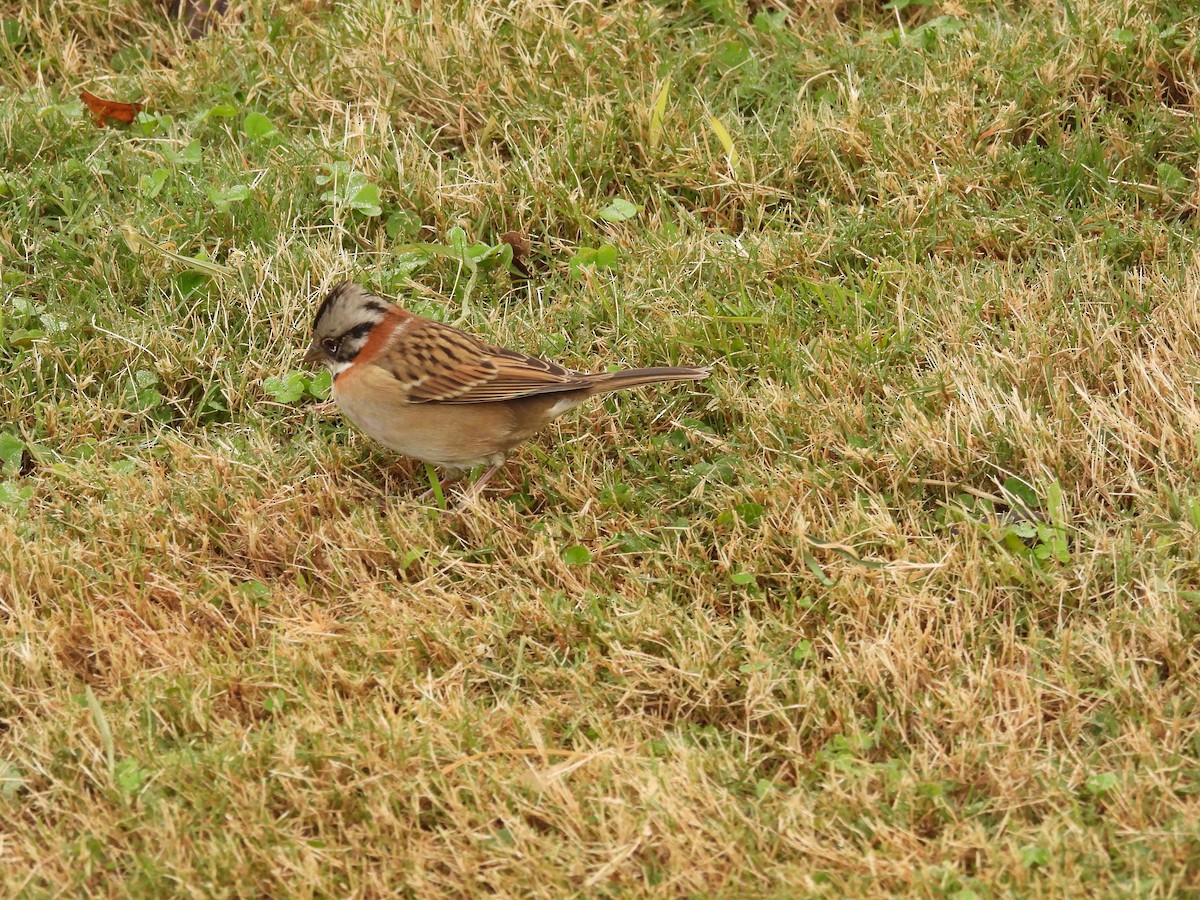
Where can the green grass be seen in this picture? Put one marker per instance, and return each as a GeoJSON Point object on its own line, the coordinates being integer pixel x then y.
{"type": "Point", "coordinates": [902, 600]}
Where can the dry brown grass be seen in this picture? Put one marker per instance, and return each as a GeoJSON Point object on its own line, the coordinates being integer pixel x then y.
{"type": "Point", "coordinates": [951, 277]}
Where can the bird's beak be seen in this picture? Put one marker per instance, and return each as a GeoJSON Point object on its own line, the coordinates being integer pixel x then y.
{"type": "Point", "coordinates": [314, 355]}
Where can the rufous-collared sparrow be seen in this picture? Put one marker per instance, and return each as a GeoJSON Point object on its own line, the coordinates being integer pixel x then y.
{"type": "Point", "coordinates": [430, 391]}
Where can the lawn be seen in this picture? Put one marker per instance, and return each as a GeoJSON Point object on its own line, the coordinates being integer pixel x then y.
{"type": "Point", "coordinates": [905, 598]}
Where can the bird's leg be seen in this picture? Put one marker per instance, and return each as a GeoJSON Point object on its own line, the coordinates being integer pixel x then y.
{"type": "Point", "coordinates": [476, 489]}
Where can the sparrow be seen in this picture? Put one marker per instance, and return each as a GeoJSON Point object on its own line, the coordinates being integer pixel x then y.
{"type": "Point", "coordinates": [430, 391]}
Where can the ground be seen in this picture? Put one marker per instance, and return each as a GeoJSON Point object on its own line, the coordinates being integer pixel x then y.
{"type": "Point", "coordinates": [903, 599]}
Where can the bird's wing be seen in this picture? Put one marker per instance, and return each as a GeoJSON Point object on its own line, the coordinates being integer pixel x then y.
{"type": "Point", "coordinates": [439, 363]}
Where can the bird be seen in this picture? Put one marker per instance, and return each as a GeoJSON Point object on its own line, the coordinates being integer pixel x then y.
{"type": "Point", "coordinates": [430, 391]}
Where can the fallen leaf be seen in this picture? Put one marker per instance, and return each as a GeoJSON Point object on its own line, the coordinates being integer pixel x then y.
{"type": "Point", "coordinates": [103, 109]}
{"type": "Point", "coordinates": [520, 249]}
{"type": "Point", "coordinates": [518, 241]}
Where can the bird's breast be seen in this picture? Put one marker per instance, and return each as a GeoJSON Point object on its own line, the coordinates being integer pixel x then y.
{"type": "Point", "coordinates": [448, 434]}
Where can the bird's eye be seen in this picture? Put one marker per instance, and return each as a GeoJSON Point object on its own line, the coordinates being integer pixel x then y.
{"type": "Point", "coordinates": [331, 345]}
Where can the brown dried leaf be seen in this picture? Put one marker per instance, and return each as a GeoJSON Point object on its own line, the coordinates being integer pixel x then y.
{"type": "Point", "coordinates": [521, 247]}
{"type": "Point", "coordinates": [519, 242]}
{"type": "Point", "coordinates": [102, 109]}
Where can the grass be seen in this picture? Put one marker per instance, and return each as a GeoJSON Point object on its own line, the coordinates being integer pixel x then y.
{"type": "Point", "coordinates": [902, 600]}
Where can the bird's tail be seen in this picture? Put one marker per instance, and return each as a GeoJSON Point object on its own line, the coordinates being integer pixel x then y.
{"type": "Point", "coordinates": [603, 382]}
